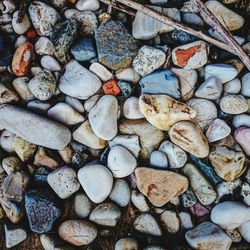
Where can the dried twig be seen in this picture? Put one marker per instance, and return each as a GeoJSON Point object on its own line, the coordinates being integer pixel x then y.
{"type": "Point", "coordinates": [116, 6]}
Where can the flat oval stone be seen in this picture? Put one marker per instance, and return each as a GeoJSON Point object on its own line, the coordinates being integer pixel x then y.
{"type": "Point", "coordinates": [46, 133]}
{"type": "Point", "coordinates": [162, 185]}
{"type": "Point", "coordinates": [88, 5]}
{"type": "Point", "coordinates": [14, 235]}
{"type": "Point", "coordinates": [233, 86]}
{"type": "Point", "coordinates": [189, 137]}
{"type": "Point", "coordinates": [244, 231]}
{"type": "Point", "coordinates": [163, 111]}
{"type": "Point", "coordinates": [242, 120]}
{"type": "Point", "coordinates": [131, 108]}
{"type": "Point", "coordinates": [50, 63]}
{"type": "Point", "coordinates": [126, 243]}
{"type": "Point", "coordinates": [242, 136]}
{"type": "Point", "coordinates": [158, 159]}
{"type": "Point", "coordinates": [139, 201]}
{"type": "Point", "coordinates": [246, 85]}
{"type": "Point", "coordinates": [20, 27]}
{"type": "Point", "coordinates": [233, 104]}
{"type": "Point", "coordinates": [21, 85]}
{"type": "Point", "coordinates": [103, 73]}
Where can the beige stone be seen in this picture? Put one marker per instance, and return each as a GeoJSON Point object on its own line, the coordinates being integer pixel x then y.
{"type": "Point", "coordinates": [42, 158]}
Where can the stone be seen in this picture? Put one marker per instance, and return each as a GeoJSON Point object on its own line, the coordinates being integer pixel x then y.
{"type": "Point", "coordinates": [84, 85]}
{"type": "Point", "coordinates": [43, 85]}
{"type": "Point", "coordinates": [64, 182]}
{"type": "Point", "coordinates": [242, 136]}
{"type": "Point", "coordinates": [223, 72]}
{"type": "Point", "coordinates": [82, 205]}
{"type": "Point", "coordinates": [49, 242]}
{"type": "Point", "coordinates": [146, 223]}
{"type": "Point", "coordinates": [185, 220]}
{"type": "Point", "coordinates": [107, 36]}
{"type": "Point", "coordinates": [245, 85]}
{"type": "Point", "coordinates": [170, 221]}
{"type": "Point", "coordinates": [158, 159]}
{"type": "Point", "coordinates": [44, 46]}
{"type": "Point", "coordinates": [202, 188]}
{"type": "Point", "coordinates": [6, 141]}
{"type": "Point", "coordinates": [103, 117]}
{"type": "Point", "coordinates": [126, 243]}
{"type": "Point", "coordinates": [211, 89]}
{"type": "Point", "coordinates": [77, 232]}
{"type": "Point", "coordinates": [63, 37]}
{"type": "Point", "coordinates": [188, 199]}
{"type": "Point", "coordinates": [148, 60]}
{"type": "Point", "coordinates": [233, 86]}
{"type": "Point", "coordinates": [128, 74]}
{"type": "Point", "coordinates": [7, 95]}
{"type": "Point", "coordinates": [192, 18]}
{"type": "Point", "coordinates": [217, 130]}
{"type": "Point", "coordinates": [120, 193]}
{"type": "Point", "coordinates": [14, 235]}
{"type": "Point", "coordinates": [64, 113]}
{"type": "Point", "coordinates": [43, 17]}
{"type": "Point", "coordinates": [11, 164]}
{"type": "Point", "coordinates": [75, 103]}
{"type": "Point", "coordinates": [21, 85]}
{"type": "Point", "coordinates": [41, 201]}
{"type": "Point", "coordinates": [121, 162]}
{"type": "Point", "coordinates": [206, 111]}
{"type": "Point", "coordinates": [145, 27]}
{"type": "Point", "coordinates": [106, 214]}
{"type": "Point", "coordinates": [234, 235]}
{"type": "Point", "coordinates": [50, 63]}
{"type": "Point", "coordinates": [228, 18]}
{"type": "Point", "coordinates": [245, 192]}
{"type": "Point", "coordinates": [230, 214]}
{"type": "Point", "coordinates": [24, 149]}
{"type": "Point", "coordinates": [244, 231]}
{"type": "Point", "coordinates": [131, 108]}
{"type": "Point", "coordinates": [38, 106]}
{"type": "Point", "coordinates": [162, 186]}
{"type": "Point", "coordinates": [191, 56]}
{"type": "Point", "coordinates": [242, 120]}
{"type": "Point", "coordinates": [228, 164]}
{"type": "Point", "coordinates": [208, 236]}
{"type": "Point", "coordinates": [175, 155]}
{"type": "Point", "coordinates": [200, 210]}
{"type": "Point", "coordinates": [87, 5]}
{"type": "Point", "coordinates": [163, 111]}
{"type": "Point", "coordinates": [139, 201]}
{"type": "Point", "coordinates": [103, 73]}
{"type": "Point", "coordinates": [160, 82]}
{"type": "Point", "coordinates": [91, 178]}
{"type": "Point", "coordinates": [43, 158]}
{"type": "Point", "coordinates": [20, 27]}
{"type": "Point", "coordinates": [233, 104]}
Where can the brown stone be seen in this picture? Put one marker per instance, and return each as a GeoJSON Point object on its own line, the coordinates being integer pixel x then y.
{"type": "Point", "coordinates": [42, 158]}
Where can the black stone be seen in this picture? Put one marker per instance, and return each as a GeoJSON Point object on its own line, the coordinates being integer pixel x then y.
{"type": "Point", "coordinates": [41, 175]}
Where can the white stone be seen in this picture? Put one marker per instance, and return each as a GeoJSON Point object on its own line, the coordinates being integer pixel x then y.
{"type": "Point", "coordinates": [121, 162]}
{"type": "Point", "coordinates": [21, 85]}
{"type": "Point", "coordinates": [245, 90]}
{"type": "Point", "coordinates": [131, 108]}
{"type": "Point", "coordinates": [245, 192]}
{"type": "Point", "coordinates": [158, 159]}
{"type": "Point", "coordinates": [75, 103]}
{"type": "Point", "coordinates": [103, 117]}
{"type": "Point", "coordinates": [87, 5]}
{"type": "Point", "coordinates": [139, 201]}
{"type": "Point", "coordinates": [44, 46]}
{"type": "Point", "coordinates": [97, 182]}
{"type": "Point", "coordinates": [177, 157]}
{"type": "Point", "coordinates": [146, 223]}
{"type": "Point", "coordinates": [91, 102]}
{"type": "Point", "coordinates": [223, 72]}
{"type": "Point", "coordinates": [230, 214]}
{"type": "Point", "coordinates": [103, 73]}
{"type": "Point", "coordinates": [78, 82]}
{"type": "Point", "coordinates": [64, 113]}
{"type": "Point", "coordinates": [186, 221]}
{"type": "Point", "coordinates": [170, 221]}
{"type": "Point", "coordinates": [233, 104]}
{"type": "Point", "coordinates": [52, 242]}
{"type": "Point", "coordinates": [82, 205]}
{"type": "Point", "coordinates": [120, 193]}
{"type": "Point", "coordinates": [148, 59]}
{"type": "Point", "coordinates": [14, 235]}
{"type": "Point", "coordinates": [63, 181]}
{"type": "Point", "coordinates": [233, 86]}
{"type": "Point", "coordinates": [242, 120]}
{"type": "Point", "coordinates": [244, 230]}
{"type": "Point", "coordinates": [50, 63]}
{"type": "Point", "coordinates": [20, 40]}
{"type": "Point", "coordinates": [129, 75]}
{"type": "Point", "coordinates": [126, 244]}
{"type": "Point", "coordinates": [38, 105]}
{"type": "Point", "coordinates": [20, 27]}
{"type": "Point", "coordinates": [6, 141]}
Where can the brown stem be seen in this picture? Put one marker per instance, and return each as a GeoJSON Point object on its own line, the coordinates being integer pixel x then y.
{"type": "Point", "coordinates": [116, 6]}
{"type": "Point", "coordinates": [225, 34]}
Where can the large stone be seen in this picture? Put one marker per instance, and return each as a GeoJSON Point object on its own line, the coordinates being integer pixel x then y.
{"type": "Point", "coordinates": [34, 128]}
{"type": "Point", "coordinates": [160, 186]}
{"type": "Point", "coordinates": [108, 36]}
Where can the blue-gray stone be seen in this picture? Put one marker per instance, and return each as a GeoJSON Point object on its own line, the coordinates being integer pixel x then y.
{"type": "Point", "coordinates": [161, 82]}
{"type": "Point", "coordinates": [126, 88]}
{"type": "Point", "coordinates": [41, 175]}
{"type": "Point", "coordinates": [182, 37]}
{"type": "Point", "coordinates": [83, 50]}
{"type": "Point", "coordinates": [41, 209]}
{"type": "Point", "coordinates": [188, 199]}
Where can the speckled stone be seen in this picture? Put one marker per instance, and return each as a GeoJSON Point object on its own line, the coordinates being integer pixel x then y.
{"type": "Point", "coordinates": [83, 50]}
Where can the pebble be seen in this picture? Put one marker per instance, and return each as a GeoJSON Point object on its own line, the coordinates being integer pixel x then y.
{"type": "Point", "coordinates": [6, 141]}
{"type": "Point", "coordinates": [103, 117]}
{"type": "Point", "coordinates": [206, 111]}
{"type": "Point", "coordinates": [42, 158]}
{"type": "Point", "coordinates": [242, 120]}
{"type": "Point", "coordinates": [49, 242]}
{"type": "Point", "coordinates": [234, 235]}
{"type": "Point", "coordinates": [158, 159]}
{"type": "Point", "coordinates": [170, 221]}
{"type": "Point", "coordinates": [85, 83]}
{"type": "Point", "coordinates": [199, 184]}
{"type": "Point", "coordinates": [46, 133]}
{"type": "Point", "coordinates": [192, 18]}
{"type": "Point", "coordinates": [121, 162]}
{"type": "Point", "coordinates": [245, 85]}
{"type": "Point", "coordinates": [50, 63]}
{"type": "Point", "coordinates": [103, 73]}
{"type": "Point", "coordinates": [75, 103]}
{"type": "Point", "coordinates": [228, 18]}
{"type": "Point", "coordinates": [131, 108]}
{"type": "Point", "coordinates": [14, 235]}
{"type": "Point", "coordinates": [43, 85]}
{"type": "Point", "coordinates": [87, 5]}
{"type": "Point", "coordinates": [20, 27]}
{"type": "Point", "coordinates": [65, 114]}
{"type": "Point", "coordinates": [209, 236]}
{"type": "Point", "coordinates": [128, 74]}
{"type": "Point", "coordinates": [188, 199]}
{"type": "Point", "coordinates": [91, 178]}
{"type": "Point", "coordinates": [85, 135]}
{"type": "Point", "coordinates": [126, 243]}
{"type": "Point", "coordinates": [185, 220]}
{"type": "Point", "coordinates": [139, 201]}
{"type": "Point", "coordinates": [43, 17]}
{"type": "Point", "coordinates": [242, 136]}
{"type": "Point", "coordinates": [175, 155]}
{"type": "Point", "coordinates": [106, 214]}
{"type": "Point", "coordinates": [244, 231]}
{"type": "Point", "coordinates": [245, 192]}
{"type": "Point", "coordinates": [163, 111]}
{"type": "Point", "coordinates": [233, 86]}
{"type": "Point", "coordinates": [41, 201]}
{"type": "Point", "coordinates": [7, 95]}
{"type": "Point", "coordinates": [82, 205]}
{"type": "Point", "coordinates": [211, 89]}
{"type": "Point", "coordinates": [162, 186]}
{"type": "Point", "coordinates": [20, 40]}
{"type": "Point", "coordinates": [233, 104]}
{"type": "Point", "coordinates": [217, 130]}
{"type": "Point", "coordinates": [77, 232]}
{"type": "Point", "coordinates": [230, 214]}
{"type": "Point", "coordinates": [160, 82]}
{"type": "Point", "coordinates": [223, 72]}
{"type": "Point", "coordinates": [44, 46]}
{"type": "Point", "coordinates": [191, 56]}
{"type": "Point", "coordinates": [107, 36]}
{"type": "Point", "coordinates": [11, 164]}
{"type": "Point", "coordinates": [120, 193]}
{"type": "Point", "coordinates": [227, 187]}
{"type": "Point", "coordinates": [148, 60]}
{"type": "Point", "coordinates": [21, 86]}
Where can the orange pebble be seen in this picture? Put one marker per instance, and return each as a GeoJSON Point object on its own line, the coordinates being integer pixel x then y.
{"type": "Point", "coordinates": [21, 59]}
{"type": "Point", "coordinates": [111, 88]}
{"type": "Point", "coordinates": [31, 34]}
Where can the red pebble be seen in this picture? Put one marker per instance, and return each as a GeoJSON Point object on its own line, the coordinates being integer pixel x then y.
{"type": "Point", "coordinates": [31, 34]}
{"type": "Point", "coordinates": [111, 88]}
